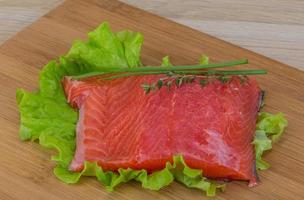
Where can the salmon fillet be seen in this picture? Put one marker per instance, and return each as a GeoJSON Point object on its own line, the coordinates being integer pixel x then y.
{"type": "Point", "coordinates": [122, 127]}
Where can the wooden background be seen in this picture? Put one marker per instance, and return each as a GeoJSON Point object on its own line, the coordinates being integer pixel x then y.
{"type": "Point", "coordinates": [25, 167]}
{"type": "Point", "coordinates": [274, 28]}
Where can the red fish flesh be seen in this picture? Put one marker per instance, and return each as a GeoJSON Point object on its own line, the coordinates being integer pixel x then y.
{"type": "Point", "coordinates": [212, 126]}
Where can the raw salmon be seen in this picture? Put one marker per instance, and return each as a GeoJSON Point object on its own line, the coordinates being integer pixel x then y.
{"type": "Point", "coordinates": [212, 126]}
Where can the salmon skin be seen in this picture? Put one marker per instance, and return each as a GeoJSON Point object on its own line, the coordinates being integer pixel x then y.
{"type": "Point", "coordinates": [120, 126]}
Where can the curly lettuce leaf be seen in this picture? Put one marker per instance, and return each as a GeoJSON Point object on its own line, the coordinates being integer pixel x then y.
{"type": "Point", "coordinates": [261, 143]}
{"type": "Point", "coordinates": [178, 170]}
{"type": "Point", "coordinates": [132, 45]}
{"type": "Point", "coordinates": [204, 60]}
{"type": "Point", "coordinates": [269, 129]}
{"type": "Point", "coordinates": [47, 117]}
{"type": "Point", "coordinates": [273, 125]}
{"type": "Point", "coordinates": [166, 62]}
{"type": "Point", "coordinates": [193, 178]}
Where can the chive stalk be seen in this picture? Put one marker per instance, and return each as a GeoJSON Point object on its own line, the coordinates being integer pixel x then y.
{"type": "Point", "coordinates": [162, 69]}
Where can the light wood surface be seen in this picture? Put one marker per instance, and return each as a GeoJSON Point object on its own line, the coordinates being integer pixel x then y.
{"type": "Point", "coordinates": [274, 28]}
{"type": "Point", "coordinates": [25, 167]}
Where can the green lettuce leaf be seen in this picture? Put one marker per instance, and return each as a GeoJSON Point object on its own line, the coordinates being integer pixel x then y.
{"type": "Point", "coordinates": [46, 116]}
{"type": "Point", "coordinates": [273, 125]}
{"type": "Point", "coordinates": [261, 143]}
{"type": "Point", "coordinates": [204, 60]}
{"type": "Point", "coordinates": [178, 170]}
{"type": "Point", "coordinates": [269, 129]}
{"type": "Point", "coordinates": [132, 45]}
{"type": "Point", "coordinates": [166, 62]}
{"type": "Point", "coordinates": [193, 178]}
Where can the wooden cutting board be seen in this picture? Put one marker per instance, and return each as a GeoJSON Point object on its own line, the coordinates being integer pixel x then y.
{"type": "Point", "coordinates": [25, 167]}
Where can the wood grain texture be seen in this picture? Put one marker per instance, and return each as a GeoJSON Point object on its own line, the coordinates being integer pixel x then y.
{"type": "Point", "coordinates": [274, 28]}
{"type": "Point", "coordinates": [25, 168]}
{"type": "Point", "coordinates": [16, 14]}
